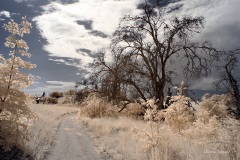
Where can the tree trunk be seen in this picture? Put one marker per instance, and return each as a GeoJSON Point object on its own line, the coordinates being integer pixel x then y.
{"type": "Point", "coordinates": [159, 94]}
{"type": "Point", "coordinates": [234, 86]}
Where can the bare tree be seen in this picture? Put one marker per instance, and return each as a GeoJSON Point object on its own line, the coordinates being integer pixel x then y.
{"type": "Point", "coordinates": [110, 75]}
{"type": "Point", "coordinates": [228, 79]}
{"type": "Point", "coordinates": [151, 43]}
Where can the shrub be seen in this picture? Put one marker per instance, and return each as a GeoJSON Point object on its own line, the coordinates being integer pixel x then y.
{"type": "Point", "coordinates": [208, 130]}
{"type": "Point", "coordinates": [151, 112]}
{"type": "Point", "coordinates": [133, 110]}
{"type": "Point", "coordinates": [67, 100]}
{"type": "Point", "coordinates": [56, 94]}
{"type": "Point", "coordinates": [52, 100]}
{"type": "Point", "coordinates": [14, 122]}
{"type": "Point", "coordinates": [15, 116]}
{"type": "Point", "coordinates": [70, 92]}
{"type": "Point", "coordinates": [82, 94]}
{"type": "Point", "coordinates": [179, 115]}
{"type": "Point", "coordinates": [200, 134]}
{"type": "Point", "coordinates": [215, 105]}
{"type": "Point", "coordinates": [95, 107]}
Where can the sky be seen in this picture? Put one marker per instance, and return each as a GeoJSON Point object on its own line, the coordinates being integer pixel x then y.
{"type": "Point", "coordinates": [67, 34]}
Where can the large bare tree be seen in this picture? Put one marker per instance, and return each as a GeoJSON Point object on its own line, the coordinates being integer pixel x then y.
{"type": "Point", "coordinates": [147, 44]}
{"type": "Point", "coordinates": [153, 42]}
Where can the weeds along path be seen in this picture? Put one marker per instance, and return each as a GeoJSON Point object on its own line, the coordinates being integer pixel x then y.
{"type": "Point", "coordinates": [72, 143]}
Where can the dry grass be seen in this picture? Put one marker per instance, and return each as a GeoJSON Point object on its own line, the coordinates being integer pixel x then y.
{"type": "Point", "coordinates": [45, 126]}
{"type": "Point", "coordinates": [183, 135]}
{"type": "Point", "coordinates": [126, 138]}
{"type": "Point", "coordinates": [113, 137]}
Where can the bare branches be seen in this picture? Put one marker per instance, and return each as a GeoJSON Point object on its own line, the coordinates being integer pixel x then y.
{"type": "Point", "coordinates": [199, 59]}
{"type": "Point", "coordinates": [145, 44]}
{"type": "Point", "coordinates": [228, 79]}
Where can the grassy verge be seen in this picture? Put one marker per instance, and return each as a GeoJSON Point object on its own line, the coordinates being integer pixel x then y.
{"type": "Point", "coordinates": [125, 138]}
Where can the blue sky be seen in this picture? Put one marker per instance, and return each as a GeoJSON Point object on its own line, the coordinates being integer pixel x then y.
{"type": "Point", "coordinates": [67, 33]}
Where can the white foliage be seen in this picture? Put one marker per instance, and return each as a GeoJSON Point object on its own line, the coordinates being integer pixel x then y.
{"type": "Point", "coordinates": [181, 89]}
{"type": "Point", "coordinates": [14, 114]}
{"type": "Point", "coordinates": [215, 105]}
{"type": "Point", "coordinates": [5, 115]}
{"type": "Point", "coordinates": [178, 132]}
{"type": "Point", "coordinates": [179, 114]}
{"type": "Point", "coordinates": [151, 111]}
{"type": "Point", "coordinates": [94, 107]}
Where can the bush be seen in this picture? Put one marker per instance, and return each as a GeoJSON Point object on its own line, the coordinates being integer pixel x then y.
{"type": "Point", "coordinates": [95, 107]}
{"type": "Point", "coordinates": [207, 129]}
{"type": "Point", "coordinates": [133, 110]}
{"type": "Point", "coordinates": [14, 122]}
{"type": "Point", "coordinates": [215, 105]}
{"type": "Point", "coordinates": [179, 115]}
{"type": "Point", "coordinates": [15, 116]}
{"type": "Point", "coordinates": [67, 99]}
{"type": "Point", "coordinates": [56, 94]}
{"type": "Point", "coordinates": [83, 94]}
{"type": "Point", "coordinates": [70, 92]}
{"type": "Point", "coordinates": [52, 100]}
{"type": "Point", "coordinates": [80, 95]}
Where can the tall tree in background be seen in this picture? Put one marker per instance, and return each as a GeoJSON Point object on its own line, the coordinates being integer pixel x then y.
{"type": "Point", "coordinates": [229, 79]}
{"type": "Point", "coordinates": [109, 75]}
{"type": "Point", "coordinates": [14, 113]}
{"type": "Point", "coordinates": [151, 44]}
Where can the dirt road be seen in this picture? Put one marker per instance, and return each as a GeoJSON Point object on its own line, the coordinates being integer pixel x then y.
{"type": "Point", "coordinates": [72, 143]}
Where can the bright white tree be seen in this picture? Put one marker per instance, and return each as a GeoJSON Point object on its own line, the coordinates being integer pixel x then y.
{"type": "Point", "coordinates": [14, 113]}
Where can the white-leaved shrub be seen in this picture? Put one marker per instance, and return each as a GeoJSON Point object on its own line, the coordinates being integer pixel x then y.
{"type": "Point", "coordinates": [179, 115]}
{"type": "Point", "coordinates": [215, 105]}
{"type": "Point", "coordinates": [178, 132]}
{"type": "Point", "coordinates": [14, 114]}
{"type": "Point", "coordinates": [205, 131]}
{"type": "Point", "coordinates": [151, 111]}
{"type": "Point", "coordinates": [95, 107]}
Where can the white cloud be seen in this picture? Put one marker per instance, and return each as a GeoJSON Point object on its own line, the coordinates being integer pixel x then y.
{"type": "Point", "coordinates": [57, 60]}
{"type": "Point", "coordinates": [30, 5]}
{"type": "Point", "coordinates": [21, 1]}
{"type": "Point", "coordinates": [222, 25]}
{"type": "Point", "coordinates": [59, 26]}
{"type": "Point", "coordinates": [59, 86]}
{"type": "Point", "coordinates": [5, 14]}
{"type": "Point", "coordinates": [59, 83]}
{"type": "Point", "coordinates": [18, 14]}
{"type": "Point", "coordinates": [49, 86]}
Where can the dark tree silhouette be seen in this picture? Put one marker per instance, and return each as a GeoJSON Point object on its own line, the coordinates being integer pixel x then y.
{"type": "Point", "coordinates": [143, 47]}
{"type": "Point", "coordinates": [110, 75]}
{"type": "Point", "coordinates": [228, 79]}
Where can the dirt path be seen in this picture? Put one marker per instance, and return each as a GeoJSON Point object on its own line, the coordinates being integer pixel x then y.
{"type": "Point", "coordinates": [72, 143]}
